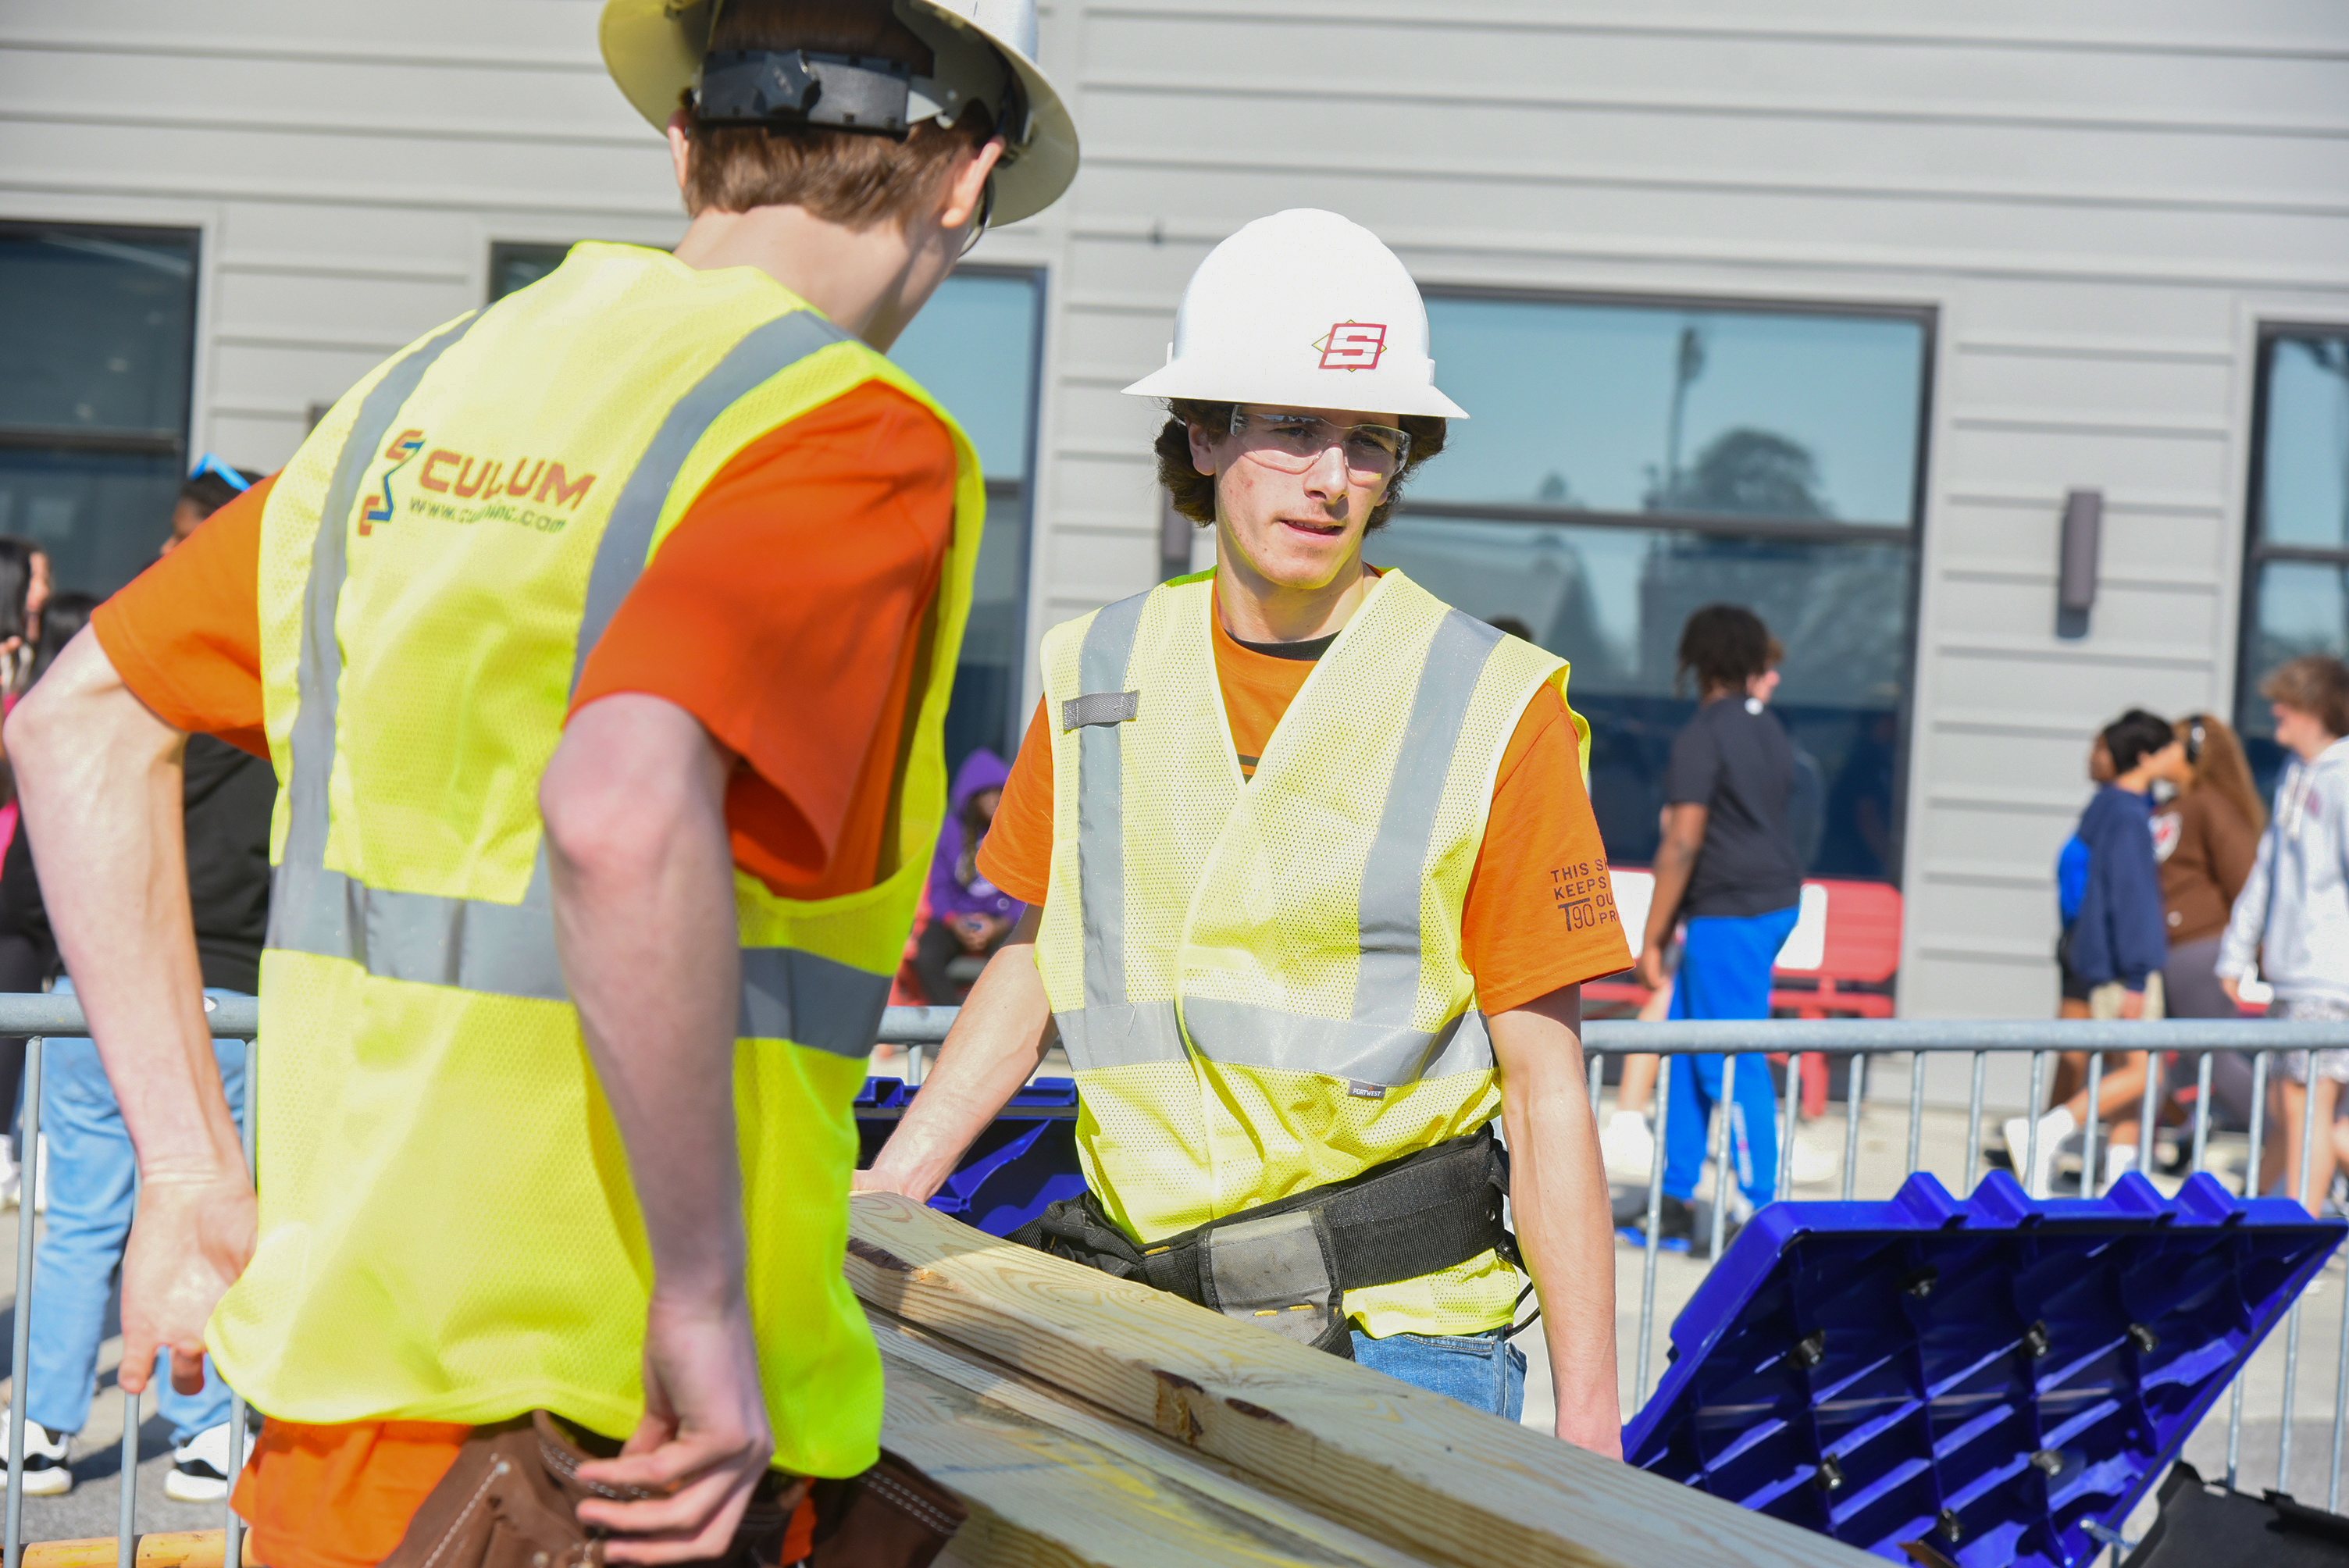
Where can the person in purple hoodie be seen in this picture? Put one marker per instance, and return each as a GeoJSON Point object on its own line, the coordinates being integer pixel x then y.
{"type": "Point", "coordinates": [969, 914]}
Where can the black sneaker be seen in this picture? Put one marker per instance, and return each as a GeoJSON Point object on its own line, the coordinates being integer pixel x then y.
{"type": "Point", "coordinates": [1677, 1229]}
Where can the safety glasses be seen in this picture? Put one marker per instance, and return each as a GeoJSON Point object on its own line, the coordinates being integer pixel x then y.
{"type": "Point", "coordinates": [208, 464]}
{"type": "Point", "coordinates": [1293, 442]}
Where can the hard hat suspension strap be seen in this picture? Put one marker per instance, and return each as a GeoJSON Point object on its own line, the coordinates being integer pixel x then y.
{"type": "Point", "coordinates": [788, 88]}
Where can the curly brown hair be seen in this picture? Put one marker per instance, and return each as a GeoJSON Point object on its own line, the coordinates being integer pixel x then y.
{"type": "Point", "coordinates": [1193, 493]}
{"type": "Point", "coordinates": [844, 177]}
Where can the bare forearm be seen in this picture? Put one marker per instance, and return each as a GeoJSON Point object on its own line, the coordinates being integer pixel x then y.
{"type": "Point", "coordinates": [1559, 1201]}
{"type": "Point", "coordinates": [100, 776]}
{"type": "Point", "coordinates": [1675, 862]}
{"type": "Point", "coordinates": [643, 882]}
{"type": "Point", "coordinates": [992, 1049]}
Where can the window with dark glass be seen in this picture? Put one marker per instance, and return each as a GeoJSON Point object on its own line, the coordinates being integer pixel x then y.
{"type": "Point", "coordinates": [98, 330]}
{"type": "Point", "coordinates": [1626, 463]}
{"type": "Point", "coordinates": [978, 348]}
{"type": "Point", "coordinates": [2296, 572]}
{"type": "Point", "coordinates": [515, 265]}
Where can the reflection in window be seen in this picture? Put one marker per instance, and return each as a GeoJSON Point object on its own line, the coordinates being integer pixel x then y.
{"type": "Point", "coordinates": [976, 348]}
{"type": "Point", "coordinates": [1625, 465]}
{"type": "Point", "coordinates": [2296, 576]}
{"type": "Point", "coordinates": [1613, 600]}
{"type": "Point", "coordinates": [1641, 409]}
{"type": "Point", "coordinates": [97, 341]}
{"type": "Point", "coordinates": [517, 266]}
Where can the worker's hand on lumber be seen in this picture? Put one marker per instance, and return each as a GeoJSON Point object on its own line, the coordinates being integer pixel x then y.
{"type": "Point", "coordinates": [642, 873]}
{"type": "Point", "coordinates": [190, 1239]}
{"type": "Point", "coordinates": [101, 781]}
{"type": "Point", "coordinates": [704, 1441]}
{"type": "Point", "coordinates": [1557, 1195]}
{"type": "Point", "coordinates": [993, 1050]}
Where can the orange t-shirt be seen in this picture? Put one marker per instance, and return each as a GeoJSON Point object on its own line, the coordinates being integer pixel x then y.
{"type": "Point", "coordinates": [1541, 854]}
{"type": "Point", "coordinates": [785, 612]}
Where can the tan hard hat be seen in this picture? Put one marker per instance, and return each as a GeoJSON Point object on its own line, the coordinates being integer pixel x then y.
{"type": "Point", "coordinates": [654, 50]}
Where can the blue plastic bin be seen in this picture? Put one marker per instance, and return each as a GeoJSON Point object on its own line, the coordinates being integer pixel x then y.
{"type": "Point", "coordinates": [1984, 1379]}
{"type": "Point", "coordinates": [1024, 1163]}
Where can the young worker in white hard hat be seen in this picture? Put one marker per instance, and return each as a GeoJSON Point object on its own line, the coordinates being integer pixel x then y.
{"type": "Point", "coordinates": [1313, 883]}
{"type": "Point", "coordinates": [583, 919]}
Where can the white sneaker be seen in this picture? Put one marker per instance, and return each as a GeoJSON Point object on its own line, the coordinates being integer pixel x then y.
{"type": "Point", "coordinates": [2053, 1129]}
{"type": "Point", "coordinates": [1815, 1165]}
{"type": "Point", "coordinates": [1626, 1148]}
{"type": "Point", "coordinates": [2120, 1158]}
{"type": "Point", "coordinates": [46, 1472]}
{"type": "Point", "coordinates": [200, 1468]}
{"type": "Point", "coordinates": [12, 1179]}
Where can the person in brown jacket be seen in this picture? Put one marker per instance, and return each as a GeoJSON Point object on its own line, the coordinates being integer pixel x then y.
{"type": "Point", "coordinates": [2205, 840]}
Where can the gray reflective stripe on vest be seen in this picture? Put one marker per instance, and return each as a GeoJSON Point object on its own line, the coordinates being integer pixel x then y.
{"type": "Point", "coordinates": [1120, 1035]}
{"type": "Point", "coordinates": [508, 949]}
{"type": "Point", "coordinates": [1101, 665]}
{"type": "Point", "coordinates": [1244, 1034]}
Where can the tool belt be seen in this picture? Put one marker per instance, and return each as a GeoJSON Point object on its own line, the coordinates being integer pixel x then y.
{"type": "Point", "coordinates": [509, 1500]}
{"type": "Point", "coordinates": [1287, 1265]}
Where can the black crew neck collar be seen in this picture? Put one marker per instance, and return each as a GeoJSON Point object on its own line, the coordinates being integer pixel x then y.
{"type": "Point", "coordinates": [1305, 652]}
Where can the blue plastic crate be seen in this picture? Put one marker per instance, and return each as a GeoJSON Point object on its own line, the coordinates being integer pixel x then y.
{"type": "Point", "coordinates": [1988, 1378]}
{"type": "Point", "coordinates": [1025, 1160]}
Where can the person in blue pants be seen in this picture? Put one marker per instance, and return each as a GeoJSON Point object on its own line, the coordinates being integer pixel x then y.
{"type": "Point", "coordinates": [1728, 867]}
{"type": "Point", "coordinates": [92, 1182]}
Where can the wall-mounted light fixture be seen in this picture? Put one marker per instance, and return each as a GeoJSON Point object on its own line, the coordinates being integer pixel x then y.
{"type": "Point", "coordinates": [2077, 552]}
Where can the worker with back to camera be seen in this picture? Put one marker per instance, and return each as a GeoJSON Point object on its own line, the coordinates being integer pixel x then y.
{"type": "Point", "coordinates": [1313, 882]}
{"type": "Point", "coordinates": [583, 921]}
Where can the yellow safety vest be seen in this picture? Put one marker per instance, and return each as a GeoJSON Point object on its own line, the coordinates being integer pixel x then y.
{"type": "Point", "coordinates": [448, 1230]}
{"type": "Point", "coordinates": [1258, 982]}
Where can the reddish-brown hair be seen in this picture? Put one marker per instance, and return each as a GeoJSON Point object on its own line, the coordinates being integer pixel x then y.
{"type": "Point", "coordinates": [1193, 493]}
{"type": "Point", "coordinates": [846, 177]}
{"type": "Point", "coordinates": [2220, 767]}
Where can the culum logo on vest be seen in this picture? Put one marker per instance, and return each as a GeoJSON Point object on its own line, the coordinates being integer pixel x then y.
{"type": "Point", "coordinates": [494, 487]}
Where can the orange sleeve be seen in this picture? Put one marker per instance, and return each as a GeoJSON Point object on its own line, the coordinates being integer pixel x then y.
{"type": "Point", "coordinates": [1017, 853]}
{"type": "Point", "coordinates": [185, 634]}
{"type": "Point", "coordinates": [785, 611]}
{"type": "Point", "coordinates": [1541, 911]}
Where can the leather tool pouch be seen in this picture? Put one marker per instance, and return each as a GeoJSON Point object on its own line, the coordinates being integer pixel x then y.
{"type": "Point", "coordinates": [511, 1498]}
{"type": "Point", "coordinates": [1278, 1273]}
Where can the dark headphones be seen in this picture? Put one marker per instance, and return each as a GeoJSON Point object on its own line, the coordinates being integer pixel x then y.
{"type": "Point", "coordinates": [2195, 735]}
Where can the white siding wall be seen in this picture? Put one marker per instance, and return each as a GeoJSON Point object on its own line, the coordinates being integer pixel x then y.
{"type": "Point", "coordinates": [2101, 200]}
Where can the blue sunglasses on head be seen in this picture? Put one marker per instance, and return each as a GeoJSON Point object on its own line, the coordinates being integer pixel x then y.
{"type": "Point", "coordinates": [208, 464]}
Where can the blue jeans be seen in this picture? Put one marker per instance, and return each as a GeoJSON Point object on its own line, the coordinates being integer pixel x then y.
{"type": "Point", "coordinates": [1726, 974]}
{"type": "Point", "coordinates": [93, 1175]}
{"type": "Point", "coordinates": [1480, 1370]}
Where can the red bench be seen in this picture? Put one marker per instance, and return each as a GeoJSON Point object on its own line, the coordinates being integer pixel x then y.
{"type": "Point", "coordinates": [1839, 961]}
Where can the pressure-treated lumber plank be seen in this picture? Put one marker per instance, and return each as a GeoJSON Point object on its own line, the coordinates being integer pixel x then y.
{"type": "Point", "coordinates": [1056, 1479]}
{"type": "Point", "coordinates": [1042, 1496]}
{"type": "Point", "coordinates": [1413, 1469]}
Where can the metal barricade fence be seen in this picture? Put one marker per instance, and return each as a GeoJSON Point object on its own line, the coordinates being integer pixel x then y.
{"type": "Point", "coordinates": [923, 1028]}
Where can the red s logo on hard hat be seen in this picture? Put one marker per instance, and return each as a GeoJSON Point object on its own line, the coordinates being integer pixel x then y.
{"type": "Point", "coordinates": [1354, 346]}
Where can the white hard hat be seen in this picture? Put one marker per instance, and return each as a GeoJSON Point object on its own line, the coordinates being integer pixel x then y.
{"type": "Point", "coordinates": [1306, 309]}
{"type": "Point", "coordinates": [985, 52]}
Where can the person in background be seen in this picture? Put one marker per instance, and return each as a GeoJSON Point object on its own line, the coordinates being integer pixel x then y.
{"type": "Point", "coordinates": [24, 597]}
{"type": "Point", "coordinates": [2205, 840]}
{"type": "Point", "coordinates": [2115, 939]}
{"type": "Point", "coordinates": [1726, 866]}
{"type": "Point", "coordinates": [226, 798]}
{"type": "Point", "coordinates": [969, 914]}
{"type": "Point", "coordinates": [2291, 922]}
{"type": "Point", "coordinates": [1628, 1143]}
{"type": "Point", "coordinates": [211, 486]}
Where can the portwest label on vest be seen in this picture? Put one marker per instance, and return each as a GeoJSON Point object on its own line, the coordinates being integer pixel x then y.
{"type": "Point", "coordinates": [1260, 982]}
{"type": "Point", "coordinates": [447, 1231]}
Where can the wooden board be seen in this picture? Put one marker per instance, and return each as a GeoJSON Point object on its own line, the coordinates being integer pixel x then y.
{"type": "Point", "coordinates": [1052, 1480]}
{"type": "Point", "coordinates": [1422, 1472]}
